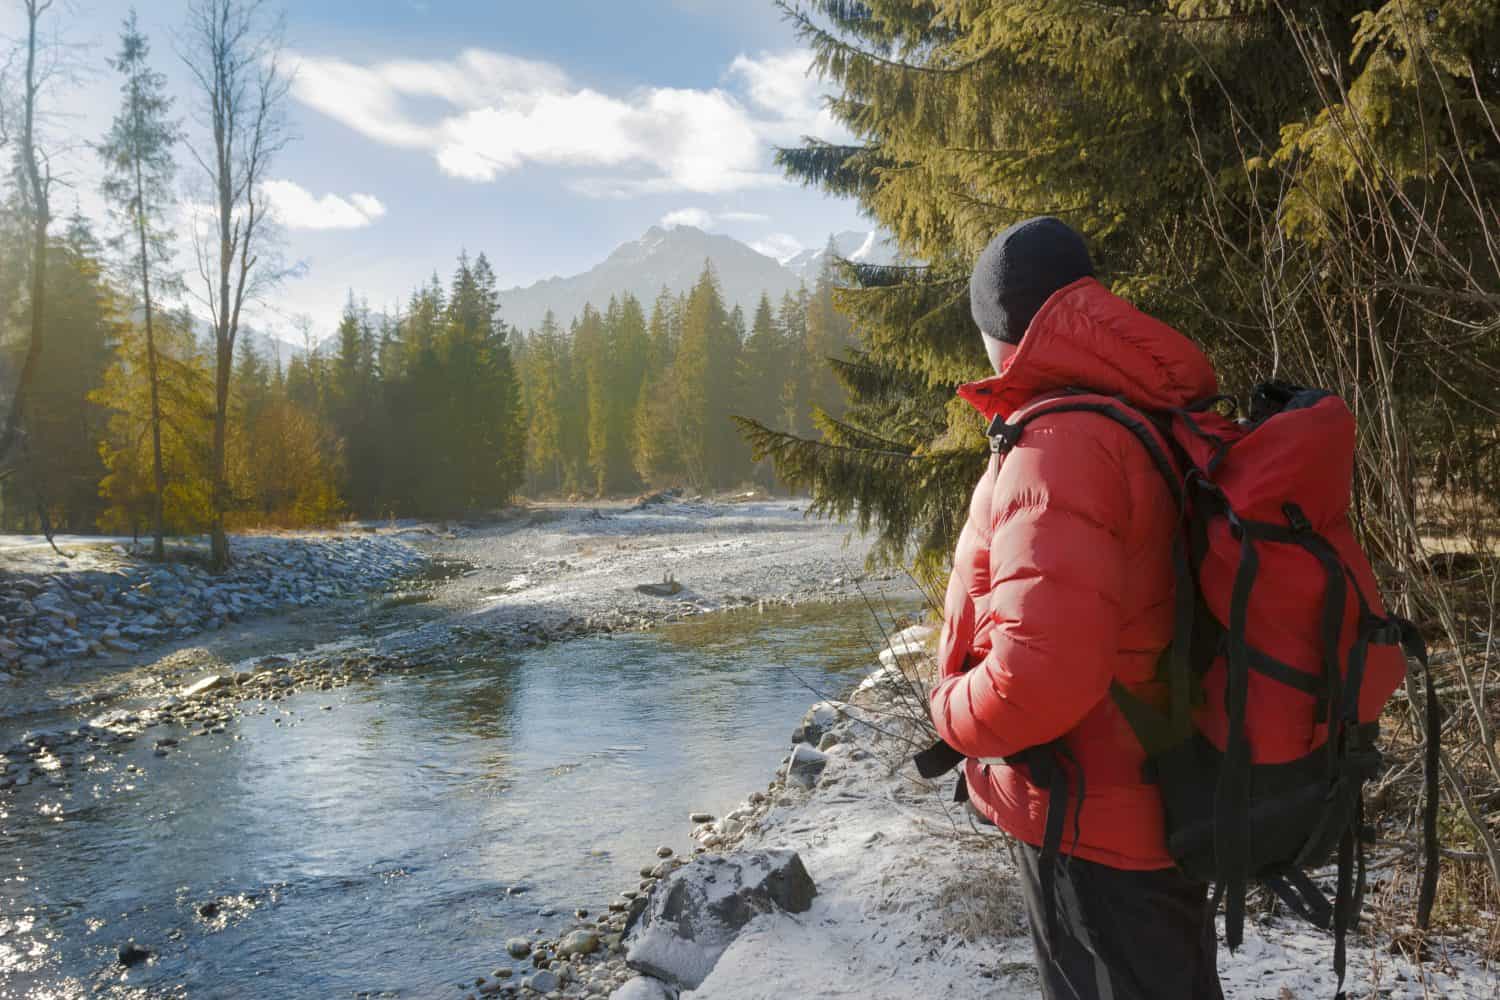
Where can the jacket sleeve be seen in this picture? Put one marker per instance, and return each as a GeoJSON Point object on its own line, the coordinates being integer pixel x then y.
{"type": "Point", "coordinates": [1058, 570]}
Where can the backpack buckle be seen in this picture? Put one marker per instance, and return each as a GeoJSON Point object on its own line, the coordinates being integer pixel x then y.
{"type": "Point", "coordinates": [1003, 436]}
{"type": "Point", "coordinates": [1295, 518]}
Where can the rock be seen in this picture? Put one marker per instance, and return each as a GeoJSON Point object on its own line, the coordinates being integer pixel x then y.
{"type": "Point", "coordinates": [701, 817]}
{"type": "Point", "coordinates": [818, 720]}
{"type": "Point", "coordinates": [122, 645]}
{"type": "Point", "coordinates": [829, 741]}
{"type": "Point", "coordinates": [518, 947]}
{"type": "Point", "coordinates": [644, 988]}
{"type": "Point", "coordinates": [698, 910]}
{"type": "Point", "coordinates": [663, 851]}
{"type": "Point", "coordinates": [131, 954]}
{"type": "Point", "coordinates": [542, 982]}
{"type": "Point", "coordinates": [210, 683]}
{"type": "Point", "coordinates": [667, 588]}
{"type": "Point", "coordinates": [578, 943]}
{"type": "Point", "coordinates": [901, 652]}
{"type": "Point", "coordinates": [806, 765]}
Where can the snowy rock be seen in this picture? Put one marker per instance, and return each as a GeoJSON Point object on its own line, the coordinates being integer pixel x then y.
{"type": "Point", "coordinates": [644, 988]}
{"type": "Point", "coordinates": [898, 654]}
{"type": "Point", "coordinates": [806, 765]}
{"type": "Point", "coordinates": [816, 722]}
{"type": "Point", "coordinates": [697, 911]}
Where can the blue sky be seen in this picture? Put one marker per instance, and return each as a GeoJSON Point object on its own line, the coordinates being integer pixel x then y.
{"type": "Point", "coordinates": [542, 134]}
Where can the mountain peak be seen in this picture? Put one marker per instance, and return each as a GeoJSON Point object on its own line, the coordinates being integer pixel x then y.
{"type": "Point", "coordinates": [672, 257]}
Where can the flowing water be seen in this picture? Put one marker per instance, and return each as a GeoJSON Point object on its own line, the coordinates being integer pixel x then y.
{"type": "Point", "coordinates": [389, 845]}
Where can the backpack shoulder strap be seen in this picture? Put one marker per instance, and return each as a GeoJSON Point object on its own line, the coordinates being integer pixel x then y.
{"type": "Point", "coordinates": [1004, 435]}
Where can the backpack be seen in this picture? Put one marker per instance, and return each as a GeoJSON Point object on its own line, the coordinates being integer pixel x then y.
{"type": "Point", "coordinates": [1281, 660]}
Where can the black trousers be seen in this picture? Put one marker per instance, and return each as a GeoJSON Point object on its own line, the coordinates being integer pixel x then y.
{"type": "Point", "coordinates": [1121, 935]}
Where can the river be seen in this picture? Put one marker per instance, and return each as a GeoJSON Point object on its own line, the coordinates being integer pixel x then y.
{"type": "Point", "coordinates": [384, 839]}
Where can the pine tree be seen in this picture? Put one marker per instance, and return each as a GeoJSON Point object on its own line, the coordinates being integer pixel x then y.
{"type": "Point", "coordinates": [764, 368]}
{"type": "Point", "coordinates": [970, 115]}
{"type": "Point", "coordinates": [140, 169]}
{"type": "Point", "coordinates": [705, 390]}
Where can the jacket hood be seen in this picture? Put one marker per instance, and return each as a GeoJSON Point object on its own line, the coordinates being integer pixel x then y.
{"type": "Point", "coordinates": [1086, 337]}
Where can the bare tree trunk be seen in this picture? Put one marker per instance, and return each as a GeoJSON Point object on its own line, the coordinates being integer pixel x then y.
{"type": "Point", "coordinates": [158, 542]}
{"type": "Point", "coordinates": [236, 65]}
{"type": "Point", "coordinates": [37, 186]}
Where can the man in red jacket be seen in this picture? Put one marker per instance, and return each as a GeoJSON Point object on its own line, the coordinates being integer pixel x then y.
{"type": "Point", "coordinates": [1062, 585]}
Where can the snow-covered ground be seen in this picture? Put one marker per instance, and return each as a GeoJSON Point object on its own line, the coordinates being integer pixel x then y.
{"type": "Point", "coordinates": [914, 900]}
{"type": "Point", "coordinates": [580, 566]}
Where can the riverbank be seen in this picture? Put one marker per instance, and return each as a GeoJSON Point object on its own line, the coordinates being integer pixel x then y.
{"type": "Point", "coordinates": [915, 899]}
{"type": "Point", "coordinates": [101, 600]}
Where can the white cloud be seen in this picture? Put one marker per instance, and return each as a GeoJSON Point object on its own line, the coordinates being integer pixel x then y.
{"type": "Point", "coordinates": [688, 217]}
{"type": "Point", "coordinates": [702, 218]}
{"type": "Point", "coordinates": [497, 113]}
{"type": "Point", "coordinates": [297, 208]}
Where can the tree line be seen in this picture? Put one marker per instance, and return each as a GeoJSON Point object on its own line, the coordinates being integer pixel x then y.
{"type": "Point", "coordinates": [142, 404]}
{"type": "Point", "coordinates": [621, 400]}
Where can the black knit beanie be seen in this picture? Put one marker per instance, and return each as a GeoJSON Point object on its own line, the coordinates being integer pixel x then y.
{"type": "Point", "coordinates": [1020, 270]}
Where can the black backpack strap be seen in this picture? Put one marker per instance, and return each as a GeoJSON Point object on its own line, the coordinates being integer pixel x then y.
{"type": "Point", "coordinates": [1415, 647]}
{"type": "Point", "coordinates": [937, 760]}
{"type": "Point", "coordinates": [1046, 766]}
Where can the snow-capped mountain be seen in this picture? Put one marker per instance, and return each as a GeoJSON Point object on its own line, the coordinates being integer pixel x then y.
{"type": "Point", "coordinates": [673, 258]}
{"type": "Point", "coordinates": [865, 248]}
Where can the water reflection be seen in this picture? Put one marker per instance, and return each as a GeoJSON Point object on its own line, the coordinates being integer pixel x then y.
{"type": "Point", "coordinates": [371, 847]}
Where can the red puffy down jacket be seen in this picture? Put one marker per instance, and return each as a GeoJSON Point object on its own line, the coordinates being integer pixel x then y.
{"type": "Point", "coordinates": [1062, 580]}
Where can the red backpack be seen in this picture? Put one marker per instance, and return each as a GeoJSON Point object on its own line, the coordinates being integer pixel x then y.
{"type": "Point", "coordinates": [1282, 659]}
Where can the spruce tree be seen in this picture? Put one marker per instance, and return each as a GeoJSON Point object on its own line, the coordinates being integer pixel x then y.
{"type": "Point", "coordinates": [138, 185]}
{"type": "Point", "coordinates": [1125, 120]}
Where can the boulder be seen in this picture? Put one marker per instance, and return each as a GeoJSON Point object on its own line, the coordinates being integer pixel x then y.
{"type": "Point", "coordinates": [542, 982]}
{"type": "Point", "coordinates": [806, 766]}
{"type": "Point", "coordinates": [818, 720]}
{"type": "Point", "coordinates": [582, 942]}
{"type": "Point", "coordinates": [644, 988]}
{"type": "Point", "coordinates": [696, 912]}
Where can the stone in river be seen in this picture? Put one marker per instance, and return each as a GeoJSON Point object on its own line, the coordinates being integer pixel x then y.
{"type": "Point", "coordinates": [131, 954]}
{"type": "Point", "coordinates": [702, 817]}
{"type": "Point", "coordinates": [664, 852]}
{"type": "Point", "coordinates": [518, 947]}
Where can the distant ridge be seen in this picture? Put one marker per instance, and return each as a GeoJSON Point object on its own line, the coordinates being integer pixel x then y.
{"type": "Point", "coordinates": [673, 258]}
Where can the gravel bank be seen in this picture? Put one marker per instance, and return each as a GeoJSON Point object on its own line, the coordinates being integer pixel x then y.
{"type": "Point", "coordinates": [107, 603]}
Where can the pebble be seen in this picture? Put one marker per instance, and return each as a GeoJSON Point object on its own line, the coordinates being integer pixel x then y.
{"type": "Point", "coordinates": [664, 851]}
{"type": "Point", "coordinates": [518, 947]}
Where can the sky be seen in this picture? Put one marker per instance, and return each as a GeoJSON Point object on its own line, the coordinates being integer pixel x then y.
{"type": "Point", "coordinates": [543, 134]}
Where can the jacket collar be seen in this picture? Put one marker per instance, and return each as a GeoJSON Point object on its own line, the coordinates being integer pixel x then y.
{"type": "Point", "coordinates": [1086, 337]}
